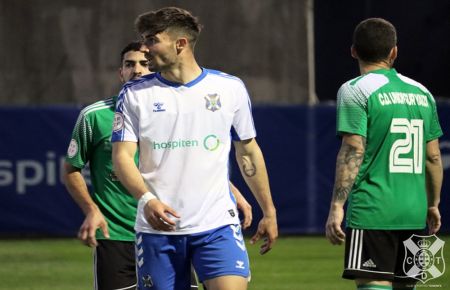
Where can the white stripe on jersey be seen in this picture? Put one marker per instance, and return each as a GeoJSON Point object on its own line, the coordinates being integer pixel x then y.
{"type": "Point", "coordinates": [104, 104]}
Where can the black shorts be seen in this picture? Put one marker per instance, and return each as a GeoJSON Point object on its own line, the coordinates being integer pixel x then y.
{"type": "Point", "coordinates": [114, 266]}
{"type": "Point", "coordinates": [376, 254]}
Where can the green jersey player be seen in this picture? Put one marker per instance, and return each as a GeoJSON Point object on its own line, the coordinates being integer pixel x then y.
{"type": "Point", "coordinates": [389, 164]}
{"type": "Point", "coordinates": [110, 208]}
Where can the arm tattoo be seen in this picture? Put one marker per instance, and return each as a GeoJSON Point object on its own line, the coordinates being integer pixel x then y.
{"type": "Point", "coordinates": [347, 168]}
{"type": "Point", "coordinates": [249, 168]}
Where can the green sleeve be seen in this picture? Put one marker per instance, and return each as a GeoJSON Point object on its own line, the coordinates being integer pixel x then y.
{"type": "Point", "coordinates": [435, 128]}
{"type": "Point", "coordinates": [81, 143]}
{"type": "Point", "coordinates": [351, 111]}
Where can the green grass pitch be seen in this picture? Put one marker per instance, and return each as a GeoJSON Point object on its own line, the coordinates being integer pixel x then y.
{"type": "Point", "coordinates": [296, 263]}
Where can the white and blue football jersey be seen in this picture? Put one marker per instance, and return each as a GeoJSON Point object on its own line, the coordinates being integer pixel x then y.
{"type": "Point", "coordinates": [184, 134]}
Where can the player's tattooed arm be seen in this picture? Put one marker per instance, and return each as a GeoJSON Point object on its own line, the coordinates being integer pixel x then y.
{"type": "Point", "coordinates": [348, 162]}
{"type": "Point", "coordinates": [253, 169]}
{"type": "Point", "coordinates": [248, 167]}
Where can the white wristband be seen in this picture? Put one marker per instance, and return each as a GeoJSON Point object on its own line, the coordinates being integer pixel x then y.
{"type": "Point", "coordinates": [146, 197]}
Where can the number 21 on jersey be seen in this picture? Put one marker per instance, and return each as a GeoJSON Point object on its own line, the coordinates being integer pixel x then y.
{"type": "Point", "coordinates": [412, 141]}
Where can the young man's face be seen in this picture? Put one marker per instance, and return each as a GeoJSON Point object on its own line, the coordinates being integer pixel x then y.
{"type": "Point", "coordinates": [134, 65]}
{"type": "Point", "coordinates": [162, 51]}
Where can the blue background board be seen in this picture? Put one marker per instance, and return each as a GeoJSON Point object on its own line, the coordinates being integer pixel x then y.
{"type": "Point", "coordinates": [298, 142]}
{"type": "Point", "coordinates": [31, 148]}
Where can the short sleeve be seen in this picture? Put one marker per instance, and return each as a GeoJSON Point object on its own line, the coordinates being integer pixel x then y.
{"type": "Point", "coordinates": [435, 128]}
{"type": "Point", "coordinates": [80, 145]}
{"type": "Point", "coordinates": [126, 121]}
{"type": "Point", "coordinates": [351, 111]}
{"type": "Point", "coordinates": [243, 127]}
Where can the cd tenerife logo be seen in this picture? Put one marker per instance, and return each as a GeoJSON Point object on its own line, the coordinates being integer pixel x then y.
{"type": "Point", "coordinates": [424, 257]}
{"type": "Point", "coordinates": [210, 143]}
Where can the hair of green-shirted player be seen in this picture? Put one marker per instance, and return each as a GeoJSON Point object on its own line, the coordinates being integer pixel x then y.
{"type": "Point", "coordinates": [174, 20]}
{"type": "Point", "coordinates": [132, 46]}
{"type": "Point", "coordinates": [373, 39]}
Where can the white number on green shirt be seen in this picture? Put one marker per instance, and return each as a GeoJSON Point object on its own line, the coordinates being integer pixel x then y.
{"type": "Point", "coordinates": [412, 140]}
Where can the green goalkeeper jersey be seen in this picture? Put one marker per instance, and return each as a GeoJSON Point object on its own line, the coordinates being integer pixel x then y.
{"type": "Point", "coordinates": [397, 116]}
{"type": "Point", "coordinates": [91, 142]}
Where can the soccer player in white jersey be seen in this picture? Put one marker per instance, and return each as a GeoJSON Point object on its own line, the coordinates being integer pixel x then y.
{"type": "Point", "coordinates": [183, 119]}
{"type": "Point", "coordinates": [110, 210]}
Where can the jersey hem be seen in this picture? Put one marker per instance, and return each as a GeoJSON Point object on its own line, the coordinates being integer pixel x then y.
{"type": "Point", "coordinates": [74, 163]}
{"type": "Point", "coordinates": [140, 229]}
{"type": "Point", "coordinates": [434, 137]}
{"type": "Point", "coordinates": [385, 227]}
{"type": "Point", "coordinates": [117, 238]}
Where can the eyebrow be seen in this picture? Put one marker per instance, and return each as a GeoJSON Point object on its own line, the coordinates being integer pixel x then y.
{"type": "Point", "coordinates": [129, 61]}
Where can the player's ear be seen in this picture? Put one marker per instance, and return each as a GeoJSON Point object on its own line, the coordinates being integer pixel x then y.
{"type": "Point", "coordinates": [393, 54]}
{"type": "Point", "coordinates": [353, 52]}
{"type": "Point", "coordinates": [121, 75]}
{"type": "Point", "coordinates": [181, 44]}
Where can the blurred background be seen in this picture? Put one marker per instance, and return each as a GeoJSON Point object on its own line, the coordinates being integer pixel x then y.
{"type": "Point", "coordinates": [59, 55]}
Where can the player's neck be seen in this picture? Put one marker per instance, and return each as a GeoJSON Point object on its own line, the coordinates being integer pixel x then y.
{"type": "Point", "coordinates": [365, 67]}
{"type": "Point", "coordinates": [183, 72]}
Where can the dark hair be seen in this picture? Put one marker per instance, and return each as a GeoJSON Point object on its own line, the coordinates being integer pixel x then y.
{"type": "Point", "coordinates": [373, 39]}
{"type": "Point", "coordinates": [169, 18]}
{"type": "Point", "coordinates": [132, 46]}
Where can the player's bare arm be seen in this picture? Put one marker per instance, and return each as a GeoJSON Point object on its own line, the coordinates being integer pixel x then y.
{"type": "Point", "coordinates": [253, 169]}
{"type": "Point", "coordinates": [243, 205]}
{"type": "Point", "coordinates": [348, 162]}
{"type": "Point", "coordinates": [94, 219]}
{"type": "Point", "coordinates": [434, 176]}
{"type": "Point", "coordinates": [156, 212]}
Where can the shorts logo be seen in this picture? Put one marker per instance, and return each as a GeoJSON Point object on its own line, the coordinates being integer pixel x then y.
{"type": "Point", "coordinates": [73, 148]}
{"type": "Point", "coordinates": [147, 281]}
{"type": "Point", "coordinates": [213, 102]}
{"type": "Point", "coordinates": [424, 257]}
{"type": "Point", "coordinates": [118, 122]}
{"type": "Point", "coordinates": [369, 264]}
{"type": "Point", "coordinates": [240, 264]}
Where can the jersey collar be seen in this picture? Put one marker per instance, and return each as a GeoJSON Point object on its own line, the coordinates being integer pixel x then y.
{"type": "Point", "coordinates": [382, 71]}
{"type": "Point", "coordinates": [189, 84]}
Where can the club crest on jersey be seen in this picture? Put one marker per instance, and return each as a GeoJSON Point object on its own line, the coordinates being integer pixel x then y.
{"type": "Point", "coordinates": [73, 148]}
{"type": "Point", "coordinates": [118, 122]}
{"type": "Point", "coordinates": [424, 257]}
{"type": "Point", "coordinates": [213, 102]}
{"type": "Point", "coordinates": [158, 107]}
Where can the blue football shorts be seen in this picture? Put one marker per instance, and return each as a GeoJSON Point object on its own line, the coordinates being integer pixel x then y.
{"type": "Point", "coordinates": [163, 262]}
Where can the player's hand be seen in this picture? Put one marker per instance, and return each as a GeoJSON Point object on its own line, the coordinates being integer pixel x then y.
{"type": "Point", "coordinates": [268, 229]}
{"type": "Point", "coordinates": [433, 220]}
{"type": "Point", "coordinates": [156, 213]}
{"type": "Point", "coordinates": [94, 220]}
{"type": "Point", "coordinates": [246, 209]}
{"type": "Point", "coordinates": [333, 228]}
